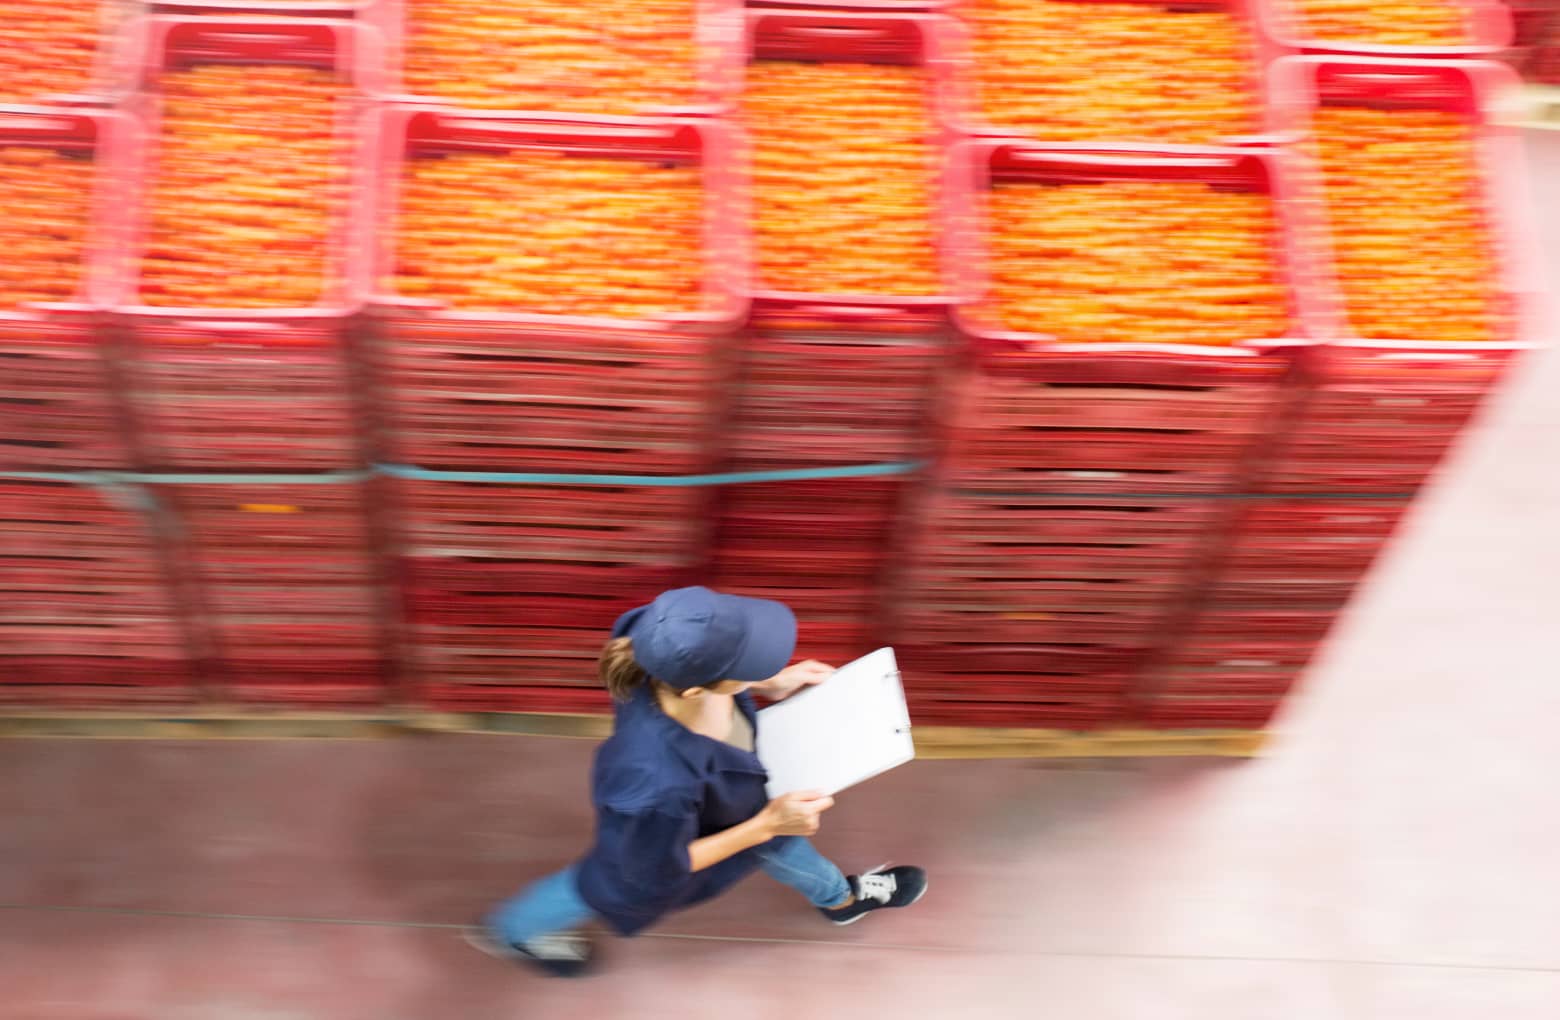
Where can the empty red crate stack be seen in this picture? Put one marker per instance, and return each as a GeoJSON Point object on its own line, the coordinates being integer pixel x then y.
{"type": "Point", "coordinates": [1161, 71]}
{"type": "Point", "coordinates": [235, 292]}
{"type": "Point", "coordinates": [509, 589]}
{"type": "Point", "coordinates": [1403, 162]}
{"type": "Point", "coordinates": [1090, 448]}
{"type": "Point", "coordinates": [88, 614]}
{"type": "Point", "coordinates": [850, 318]}
{"type": "Point", "coordinates": [58, 409]}
{"type": "Point", "coordinates": [599, 348]}
{"type": "Point", "coordinates": [289, 587]}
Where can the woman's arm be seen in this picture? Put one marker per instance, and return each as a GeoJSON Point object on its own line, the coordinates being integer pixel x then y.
{"type": "Point", "coordinates": [795, 814]}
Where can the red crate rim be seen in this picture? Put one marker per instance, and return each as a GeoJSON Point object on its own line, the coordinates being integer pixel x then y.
{"type": "Point", "coordinates": [717, 27]}
{"type": "Point", "coordinates": [334, 44]}
{"type": "Point", "coordinates": [707, 142]}
{"type": "Point", "coordinates": [971, 168]}
{"type": "Point", "coordinates": [1297, 86]}
{"type": "Point", "coordinates": [100, 132]}
{"type": "Point", "coordinates": [1490, 23]}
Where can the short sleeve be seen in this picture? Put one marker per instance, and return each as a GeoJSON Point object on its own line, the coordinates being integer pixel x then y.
{"type": "Point", "coordinates": [651, 846]}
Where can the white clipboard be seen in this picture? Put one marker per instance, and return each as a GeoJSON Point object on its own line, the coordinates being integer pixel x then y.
{"type": "Point", "coordinates": [853, 726]}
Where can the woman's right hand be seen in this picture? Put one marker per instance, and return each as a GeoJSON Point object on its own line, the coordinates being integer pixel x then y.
{"type": "Point", "coordinates": [796, 814]}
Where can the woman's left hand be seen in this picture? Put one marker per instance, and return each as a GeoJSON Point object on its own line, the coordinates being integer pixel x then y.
{"type": "Point", "coordinates": [793, 678]}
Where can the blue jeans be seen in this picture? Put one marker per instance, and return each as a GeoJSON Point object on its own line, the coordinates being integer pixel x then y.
{"type": "Point", "coordinates": [554, 904]}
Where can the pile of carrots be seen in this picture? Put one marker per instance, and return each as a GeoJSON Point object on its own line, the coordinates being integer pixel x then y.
{"type": "Point", "coordinates": [546, 233]}
{"type": "Point", "coordinates": [1406, 211]}
{"type": "Point", "coordinates": [248, 187]}
{"type": "Point", "coordinates": [45, 198]}
{"type": "Point", "coordinates": [1071, 70]}
{"type": "Point", "coordinates": [50, 46]}
{"type": "Point", "coordinates": [843, 164]}
{"type": "Point", "coordinates": [1133, 262]}
{"type": "Point", "coordinates": [1400, 23]}
{"type": "Point", "coordinates": [562, 55]}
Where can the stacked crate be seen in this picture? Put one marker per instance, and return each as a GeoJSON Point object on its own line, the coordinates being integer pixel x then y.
{"type": "Point", "coordinates": [58, 409]}
{"type": "Point", "coordinates": [535, 430]}
{"type": "Point", "coordinates": [289, 587]}
{"type": "Point", "coordinates": [842, 351]}
{"type": "Point", "coordinates": [89, 609]}
{"type": "Point", "coordinates": [233, 303]}
{"type": "Point", "coordinates": [1081, 482]}
{"type": "Point", "coordinates": [1383, 402]}
{"type": "Point", "coordinates": [87, 615]}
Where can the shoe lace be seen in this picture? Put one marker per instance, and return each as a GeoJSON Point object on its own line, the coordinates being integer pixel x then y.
{"type": "Point", "coordinates": [563, 946]}
{"type": "Point", "coordinates": [876, 885]}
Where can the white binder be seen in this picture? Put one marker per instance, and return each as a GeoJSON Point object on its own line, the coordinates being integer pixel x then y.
{"type": "Point", "coordinates": [853, 726]}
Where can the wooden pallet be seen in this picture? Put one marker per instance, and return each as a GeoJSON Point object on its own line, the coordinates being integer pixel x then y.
{"type": "Point", "coordinates": [1535, 107]}
{"type": "Point", "coordinates": [932, 742]}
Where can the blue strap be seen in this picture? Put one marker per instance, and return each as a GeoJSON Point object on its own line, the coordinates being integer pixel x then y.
{"type": "Point", "coordinates": [729, 478]}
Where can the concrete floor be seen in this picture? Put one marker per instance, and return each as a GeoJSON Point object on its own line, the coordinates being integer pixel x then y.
{"type": "Point", "coordinates": [1395, 855]}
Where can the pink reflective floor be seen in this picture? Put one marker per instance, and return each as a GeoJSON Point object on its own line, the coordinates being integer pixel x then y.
{"type": "Point", "coordinates": [1394, 856]}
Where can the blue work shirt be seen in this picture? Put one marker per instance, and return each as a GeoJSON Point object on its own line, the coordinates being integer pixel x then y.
{"type": "Point", "coordinates": [657, 787]}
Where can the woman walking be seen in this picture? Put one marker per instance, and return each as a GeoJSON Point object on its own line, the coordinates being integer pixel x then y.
{"type": "Point", "coordinates": [681, 811]}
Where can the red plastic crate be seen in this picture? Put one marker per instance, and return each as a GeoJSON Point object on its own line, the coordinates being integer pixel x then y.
{"type": "Point", "coordinates": [262, 8]}
{"type": "Point", "coordinates": [1300, 84]}
{"type": "Point", "coordinates": [474, 697]}
{"type": "Point", "coordinates": [417, 132]}
{"type": "Point", "coordinates": [819, 397]}
{"type": "Point", "coordinates": [1211, 713]}
{"type": "Point", "coordinates": [1250, 14]}
{"type": "Point", "coordinates": [86, 599]}
{"type": "Point", "coordinates": [860, 6]}
{"type": "Point", "coordinates": [168, 43]}
{"type": "Point", "coordinates": [718, 27]}
{"type": "Point", "coordinates": [57, 403]}
{"type": "Point", "coordinates": [104, 77]}
{"type": "Point", "coordinates": [629, 524]}
{"type": "Point", "coordinates": [838, 36]}
{"type": "Point", "coordinates": [501, 402]}
{"type": "Point", "coordinates": [210, 405]}
{"type": "Point", "coordinates": [1489, 30]}
{"type": "Point", "coordinates": [975, 165]}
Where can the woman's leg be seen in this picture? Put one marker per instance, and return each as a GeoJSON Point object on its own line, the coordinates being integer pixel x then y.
{"type": "Point", "coordinates": [793, 861]}
{"type": "Point", "coordinates": [544, 908]}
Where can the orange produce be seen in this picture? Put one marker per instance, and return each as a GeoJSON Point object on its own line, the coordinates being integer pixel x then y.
{"type": "Point", "coordinates": [1133, 262]}
{"type": "Point", "coordinates": [1400, 23]}
{"type": "Point", "coordinates": [564, 55]}
{"type": "Point", "coordinates": [1410, 238]}
{"type": "Point", "coordinates": [45, 196]}
{"type": "Point", "coordinates": [1070, 70]}
{"type": "Point", "coordinates": [842, 178]}
{"type": "Point", "coordinates": [50, 46]}
{"type": "Point", "coordinates": [248, 189]}
{"type": "Point", "coordinates": [550, 234]}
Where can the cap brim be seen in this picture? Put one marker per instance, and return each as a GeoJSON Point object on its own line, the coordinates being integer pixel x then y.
{"type": "Point", "coordinates": [771, 638]}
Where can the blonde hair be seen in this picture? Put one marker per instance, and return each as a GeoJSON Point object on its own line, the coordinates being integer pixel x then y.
{"type": "Point", "coordinates": [620, 674]}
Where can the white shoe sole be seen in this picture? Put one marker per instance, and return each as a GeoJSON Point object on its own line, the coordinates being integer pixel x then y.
{"type": "Point", "coordinates": [864, 913]}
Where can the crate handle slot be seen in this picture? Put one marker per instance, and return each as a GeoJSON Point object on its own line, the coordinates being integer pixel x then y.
{"type": "Point", "coordinates": [1387, 78]}
{"type": "Point", "coordinates": [35, 125]}
{"type": "Point", "coordinates": [1101, 159]}
{"type": "Point", "coordinates": [564, 130]}
{"type": "Point", "coordinates": [836, 32]}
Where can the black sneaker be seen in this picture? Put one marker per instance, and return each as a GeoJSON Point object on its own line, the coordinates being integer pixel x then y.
{"type": "Point", "coordinates": [565, 954]}
{"type": "Point", "coordinates": [890, 887]}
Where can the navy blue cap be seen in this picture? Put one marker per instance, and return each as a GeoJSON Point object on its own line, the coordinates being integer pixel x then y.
{"type": "Point", "coordinates": [692, 637]}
